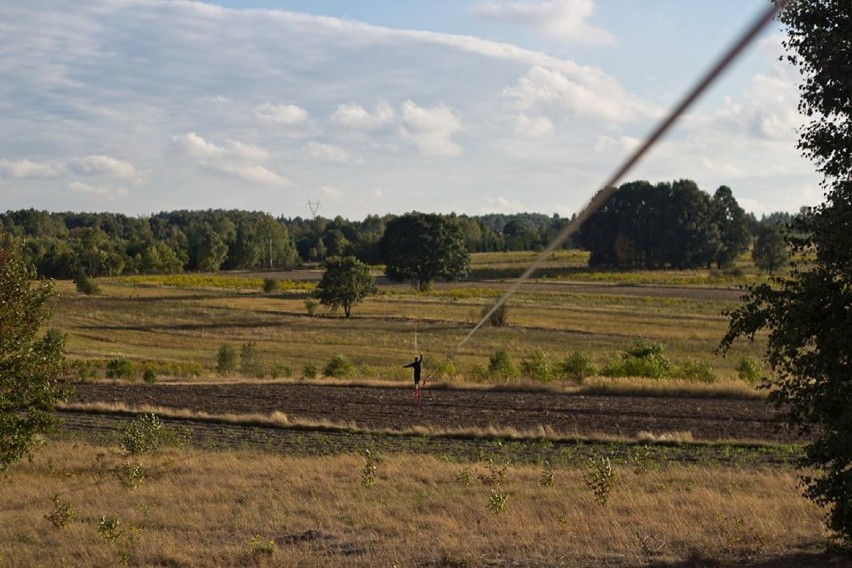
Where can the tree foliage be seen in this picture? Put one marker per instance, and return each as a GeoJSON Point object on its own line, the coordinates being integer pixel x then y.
{"type": "Point", "coordinates": [672, 225]}
{"type": "Point", "coordinates": [807, 314]}
{"type": "Point", "coordinates": [423, 247]}
{"type": "Point", "coordinates": [30, 358]}
{"type": "Point", "coordinates": [345, 282]}
{"type": "Point", "coordinates": [770, 248]}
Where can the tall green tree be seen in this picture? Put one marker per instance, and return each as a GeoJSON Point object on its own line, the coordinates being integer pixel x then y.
{"type": "Point", "coordinates": [732, 223]}
{"type": "Point", "coordinates": [30, 358]}
{"type": "Point", "coordinates": [770, 248]}
{"type": "Point", "coordinates": [345, 283]}
{"type": "Point", "coordinates": [423, 247]}
{"type": "Point", "coordinates": [807, 314]}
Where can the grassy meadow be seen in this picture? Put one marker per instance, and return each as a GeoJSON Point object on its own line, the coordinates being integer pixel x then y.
{"type": "Point", "coordinates": [85, 500]}
{"type": "Point", "coordinates": [177, 323]}
{"type": "Point", "coordinates": [192, 507]}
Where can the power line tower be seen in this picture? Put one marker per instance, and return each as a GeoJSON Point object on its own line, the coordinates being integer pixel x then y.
{"type": "Point", "coordinates": [314, 207]}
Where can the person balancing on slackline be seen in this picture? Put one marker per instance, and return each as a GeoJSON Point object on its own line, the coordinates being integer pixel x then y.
{"type": "Point", "coordinates": [416, 366]}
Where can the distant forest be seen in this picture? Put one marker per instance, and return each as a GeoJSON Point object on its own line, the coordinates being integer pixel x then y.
{"type": "Point", "coordinates": [639, 226]}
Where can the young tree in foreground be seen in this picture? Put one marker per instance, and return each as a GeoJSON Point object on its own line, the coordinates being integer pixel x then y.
{"type": "Point", "coordinates": [30, 358]}
{"type": "Point", "coordinates": [345, 282]}
{"type": "Point", "coordinates": [807, 314]}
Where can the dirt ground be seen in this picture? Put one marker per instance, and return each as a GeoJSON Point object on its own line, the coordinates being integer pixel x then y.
{"type": "Point", "coordinates": [395, 408]}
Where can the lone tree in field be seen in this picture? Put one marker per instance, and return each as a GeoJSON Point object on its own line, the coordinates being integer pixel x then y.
{"type": "Point", "coordinates": [807, 314]}
{"type": "Point", "coordinates": [770, 248]}
{"type": "Point", "coordinates": [30, 358]}
{"type": "Point", "coordinates": [422, 247]}
{"type": "Point", "coordinates": [345, 282]}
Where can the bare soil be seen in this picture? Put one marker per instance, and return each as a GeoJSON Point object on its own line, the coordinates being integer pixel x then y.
{"type": "Point", "coordinates": [394, 408]}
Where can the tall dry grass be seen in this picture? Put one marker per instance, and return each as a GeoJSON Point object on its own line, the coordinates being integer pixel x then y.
{"type": "Point", "coordinates": [201, 508]}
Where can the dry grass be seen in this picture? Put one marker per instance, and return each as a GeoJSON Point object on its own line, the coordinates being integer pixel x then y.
{"type": "Point", "coordinates": [200, 508]}
{"type": "Point", "coordinates": [165, 324]}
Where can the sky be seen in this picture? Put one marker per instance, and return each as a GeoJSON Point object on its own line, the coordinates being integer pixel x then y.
{"type": "Point", "coordinates": [384, 106]}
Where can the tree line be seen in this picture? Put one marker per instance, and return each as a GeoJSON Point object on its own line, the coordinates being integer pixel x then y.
{"type": "Point", "coordinates": [64, 245]}
{"type": "Point", "coordinates": [643, 225]}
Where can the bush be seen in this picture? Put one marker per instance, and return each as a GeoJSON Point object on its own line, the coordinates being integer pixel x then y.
{"type": "Point", "coordinates": [339, 366]}
{"type": "Point", "coordinates": [748, 369]}
{"type": "Point", "coordinates": [86, 285]}
{"type": "Point", "coordinates": [142, 436]}
{"type": "Point", "coordinates": [642, 359]}
{"type": "Point", "coordinates": [309, 371]}
{"type": "Point", "coordinates": [281, 370]}
{"type": "Point", "coordinates": [250, 360]}
{"type": "Point", "coordinates": [226, 359]}
{"type": "Point", "coordinates": [536, 366]}
{"type": "Point", "coordinates": [500, 317]}
{"type": "Point", "coordinates": [270, 285]}
{"type": "Point", "coordinates": [576, 367]}
{"type": "Point", "coordinates": [149, 376]}
{"type": "Point", "coordinates": [500, 365]}
{"type": "Point", "coordinates": [311, 306]}
{"type": "Point", "coordinates": [700, 371]}
{"type": "Point", "coordinates": [119, 369]}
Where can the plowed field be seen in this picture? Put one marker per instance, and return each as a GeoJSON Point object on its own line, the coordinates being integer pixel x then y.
{"type": "Point", "coordinates": [394, 408]}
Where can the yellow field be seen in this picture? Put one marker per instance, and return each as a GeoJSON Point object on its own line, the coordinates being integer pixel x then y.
{"type": "Point", "coordinates": [202, 508]}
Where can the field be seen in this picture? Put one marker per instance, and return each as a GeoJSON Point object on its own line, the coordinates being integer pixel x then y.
{"type": "Point", "coordinates": [183, 321]}
{"type": "Point", "coordinates": [285, 466]}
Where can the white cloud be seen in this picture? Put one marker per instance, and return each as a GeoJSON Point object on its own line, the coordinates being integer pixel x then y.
{"type": "Point", "coordinates": [431, 129]}
{"type": "Point", "coordinates": [620, 145]}
{"type": "Point", "coordinates": [327, 153]}
{"type": "Point", "coordinates": [356, 117]}
{"type": "Point", "coordinates": [102, 166]}
{"type": "Point", "coordinates": [192, 145]}
{"type": "Point", "coordinates": [547, 88]}
{"type": "Point", "coordinates": [29, 169]}
{"type": "Point", "coordinates": [286, 114]}
{"type": "Point", "coordinates": [251, 173]}
{"type": "Point", "coordinates": [195, 146]}
{"type": "Point", "coordinates": [565, 19]}
{"type": "Point", "coordinates": [101, 190]}
{"type": "Point", "coordinates": [532, 126]}
{"type": "Point", "coordinates": [501, 204]}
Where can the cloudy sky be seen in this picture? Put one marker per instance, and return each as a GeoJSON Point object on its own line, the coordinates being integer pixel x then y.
{"type": "Point", "coordinates": [383, 106]}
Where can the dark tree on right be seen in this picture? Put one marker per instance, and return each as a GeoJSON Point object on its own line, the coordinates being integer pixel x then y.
{"type": "Point", "coordinates": [808, 314]}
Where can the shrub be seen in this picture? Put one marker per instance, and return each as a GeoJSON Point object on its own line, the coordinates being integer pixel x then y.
{"type": "Point", "coordinates": [226, 359]}
{"type": "Point", "coordinates": [270, 285]}
{"type": "Point", "coordinates": [250, 360]}
{"type": "Point", "coordinates": [309, 371]}
{"type": "Point", "coordinates": [600, 478]}
{"type": "Point", "coordinates": [86, 285]}
{"type": "Point", "coordinates": [500, 316]}
{"type": "Point", "coordinates": [142, 436]}
{"type": "Point", "coordinates": [149, 376]}
{"type": "Point", "coordinates": [576, 367]}
{"type": "Point", "coordinates": [536, 366]}
{"type": "Point", "coordinates": [61, 514]}
{"type": "Point", "coordinates": [311, 306]}
{"type": "Point", "coordinates": [339, 366]}
{"type": "Point", "coordinates": [642, 359]}
{"type": "Point", "coordinates": [119, 368]}
{"type": "Point", "coordinates": [700, 371]}
{"type": "Point", "coordinates": [748, 369]}
{"type": "Point", "coordinates": [500, 365]}
{"type": "Point", "coordinates": [280, 370]}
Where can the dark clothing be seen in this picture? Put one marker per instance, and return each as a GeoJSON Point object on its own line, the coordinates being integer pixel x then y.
{"type": "Point", "coordinates": [416, 366]}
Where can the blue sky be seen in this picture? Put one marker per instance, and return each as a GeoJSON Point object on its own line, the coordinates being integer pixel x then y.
{"type": "Point", "coordinates": [373, 107]}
